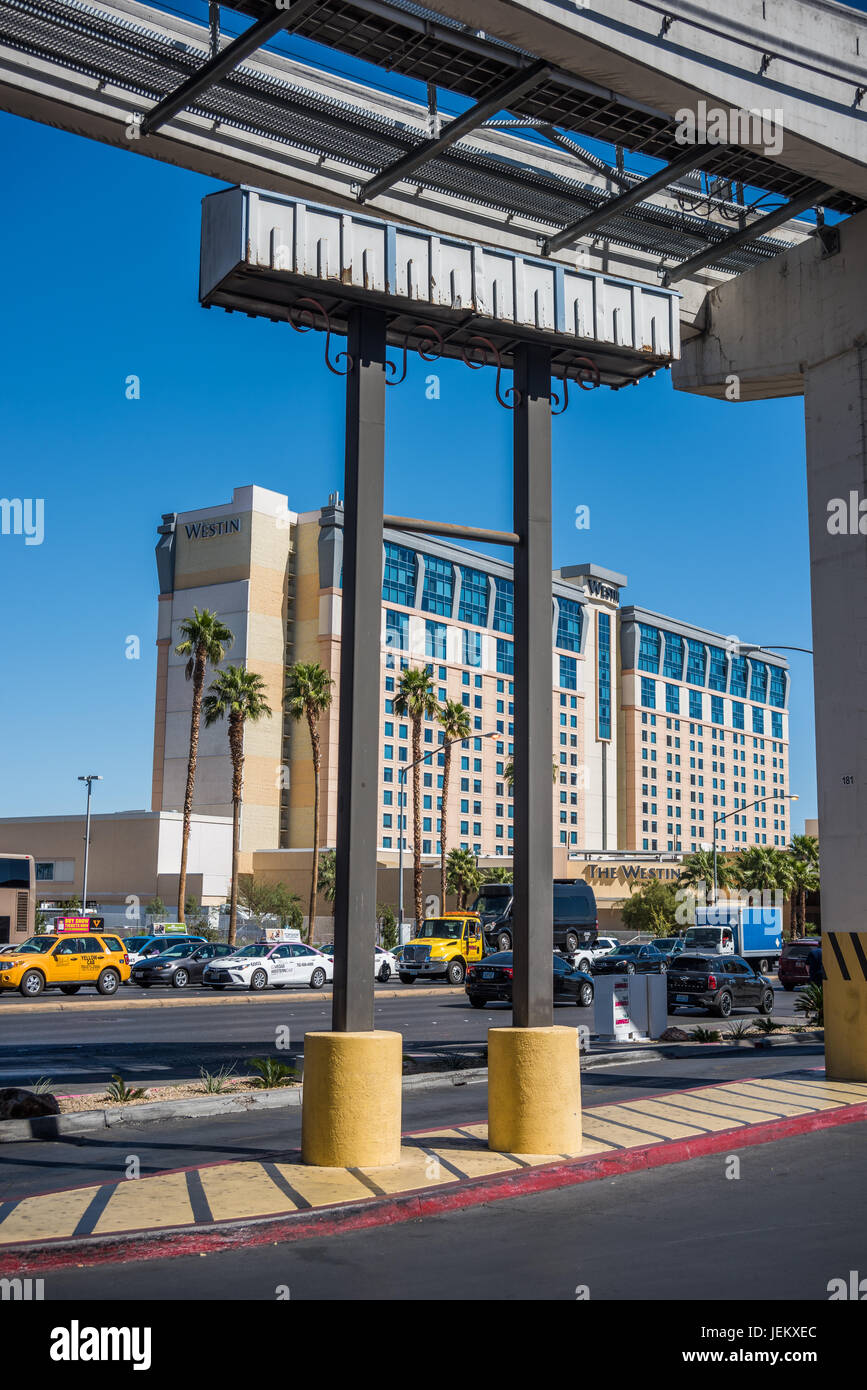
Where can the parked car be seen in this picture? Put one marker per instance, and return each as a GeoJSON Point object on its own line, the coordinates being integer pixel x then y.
{"type": "Point", "coordinates": [179, 965]}
{"type": "Point", "coordinates": [144, 947]}
{"type": "Point", "coordinates": [65, 963]}
{"type": "Point", "coordinates": [574, 913]}
{"type": "Point", "coordinates": [490, 980]}
{"type": "Point", "coordinates": [633, 959]}
{"type": "Point", "coordinates": [385, 963]}
{"type": "Point", "coordinates": [265, 963]}
{"type": "Point", "coordinates": [669, 945]}
{"type": "Point", "coordinates": [717, 984]}
{"type": "Point", "coordinates": [794, 968]}
{"type": "Point", "coordinates": [603, 944]}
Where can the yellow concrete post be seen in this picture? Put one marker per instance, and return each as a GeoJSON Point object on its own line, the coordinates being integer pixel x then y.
{"type": "Point", "coordinates": [844, 961]}
{"type": "Point", "coordinates": [534, 1090]}
{"type": "Point", "coordinates": [351, 1100]}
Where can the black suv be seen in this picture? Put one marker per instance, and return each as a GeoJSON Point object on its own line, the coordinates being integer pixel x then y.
{"type": "Point", "coordinates": [717, 984]}
{"type": "Point", "coordinates": [576, 922]}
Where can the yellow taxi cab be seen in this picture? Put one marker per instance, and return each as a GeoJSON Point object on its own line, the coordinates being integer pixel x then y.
{"type": "Point", "coordinates": [442, 948]}
{"type": "Point", "coordinates": [64, 962]}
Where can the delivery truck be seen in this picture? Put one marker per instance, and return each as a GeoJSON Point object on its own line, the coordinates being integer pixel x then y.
{"type": "Point", "coordinates": [756, 933]}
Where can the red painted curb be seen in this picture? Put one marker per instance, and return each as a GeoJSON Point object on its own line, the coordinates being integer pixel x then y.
{"type": "Point", "coordinates": [410, 1206]}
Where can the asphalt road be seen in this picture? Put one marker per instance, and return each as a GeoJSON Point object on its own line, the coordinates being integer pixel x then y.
{"type": "Point", "coordinates": [37, 1166]}
{"type": "Point", "coordinates": [80, 1050]}
{"type": "Point", "coordinates": [781, 1231]}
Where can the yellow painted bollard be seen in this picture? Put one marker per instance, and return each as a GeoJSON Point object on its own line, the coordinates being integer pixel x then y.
{"type": "Point", "coordinates": [351, 1101]}
{"type": "Point", "coordinates": [534, 1091]}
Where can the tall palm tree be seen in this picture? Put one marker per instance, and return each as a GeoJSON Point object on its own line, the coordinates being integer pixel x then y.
{"type": "Point", "coordinates": [238, 696]}
{"type": "Point", "coordinates": [464, 875]}
{"type": "Point", "coordinates": [308, 696]}
{"type": "Point", "coordinates": [698, 868]}
{"type": "Point", "coordinates": [455, 720]}
{"type": "Point", "coordinates": [804, 850]}
{"type": "Point", "coordinates": [204, 640]}
{"type": "Point", "coordinates": [414, 699]}
{"type": "Point", "coordinates": [761, 869]}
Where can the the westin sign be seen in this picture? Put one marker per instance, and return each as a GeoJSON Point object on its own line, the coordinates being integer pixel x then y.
{"type": "Point", "coordinates": [204, 530]}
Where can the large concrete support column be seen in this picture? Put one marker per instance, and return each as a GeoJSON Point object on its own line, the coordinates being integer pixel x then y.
{"type": "Point", "coordinates": [534, 1101]}
{"type": "Point", "coordinates": [799, 325]}
{"type": "Point", "coordinates": [352, 1075]}
{"type": "Point", "coordinates": [836, 414]}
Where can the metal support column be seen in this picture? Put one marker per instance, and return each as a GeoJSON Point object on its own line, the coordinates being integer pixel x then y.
{"type": "Point", "coordinates": [533, 861]}
{"type": "Point", "coordinates": [355, 899]}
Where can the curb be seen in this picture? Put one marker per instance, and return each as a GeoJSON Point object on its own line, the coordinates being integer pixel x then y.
{"type": "Point", "coordinates": [242, 997]}
{"type": "Point", "coordinates": [192, 1108]}
{"type": "Point", "coordinates": [411, 1206]}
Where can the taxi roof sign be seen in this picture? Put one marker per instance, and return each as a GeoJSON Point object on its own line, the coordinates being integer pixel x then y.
{"type": "Point", "coordinates": [87, 924]}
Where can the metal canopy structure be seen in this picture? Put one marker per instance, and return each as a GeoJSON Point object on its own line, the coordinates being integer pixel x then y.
{"type": "Point", "coordinates": [167, 80]}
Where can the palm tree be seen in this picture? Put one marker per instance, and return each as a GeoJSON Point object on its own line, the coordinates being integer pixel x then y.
{"type": "Point", "coordinates": [455, 719]}
{"type": "Point", "coordinates": [204, 641]}
{"type": "Point", "coordinates": [463, 874]}
{"type": "Point", "coordinates": [761, 869]}
{"type": "Point", "coordinates": [804, 850]}
{"type": "Point", "coordinates": [414, 699]}
{"type": "Point", "coordinates": [697, 868]}
{"type": "Point", "coordinates": [308, 696]}
{"type": "Point", "coordinates": [238, 696]}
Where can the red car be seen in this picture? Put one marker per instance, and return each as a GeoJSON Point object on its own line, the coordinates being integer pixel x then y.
{"type": "Point", "coordinates": [794, 967]}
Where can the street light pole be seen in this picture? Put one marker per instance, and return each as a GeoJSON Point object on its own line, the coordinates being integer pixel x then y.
{"type": "Point", "coordinates": [789, 796]}
{"type": "Point", "coordinates": [401, 799]}
{"type": "Point", "coordinates": [89, 779]}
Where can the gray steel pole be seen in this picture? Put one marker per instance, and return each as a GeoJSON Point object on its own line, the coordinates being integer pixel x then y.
{"type": "Point", "coordinates": [401, 779]}
{"type": "Point", "coordinates": [533, 856]}
{"type": "Point", "coordinates": [714, 859]}
{"type": "Point", "coordinates": [86, 849]}
{"type": "Point", "coordinates": [358, 756]}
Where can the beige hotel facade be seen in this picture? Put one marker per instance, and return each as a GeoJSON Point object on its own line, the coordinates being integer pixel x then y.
{"type": "Point", "coordinates": [658, 724]}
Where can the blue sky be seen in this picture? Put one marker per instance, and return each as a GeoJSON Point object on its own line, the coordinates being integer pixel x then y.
{"type": "Point", "coordinates": [702, 504]}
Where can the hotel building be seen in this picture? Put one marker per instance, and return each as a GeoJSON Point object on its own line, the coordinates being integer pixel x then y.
{"type": "Point", "coordinates": [658, 724]}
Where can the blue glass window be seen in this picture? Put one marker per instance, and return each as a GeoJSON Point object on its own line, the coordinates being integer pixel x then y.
{"type": "Point", "coordinates": [473, 607]}
{"type": "Point", "coordinates": [505, 657]}
{"type": "Point", "coordinates": [696, 662]}
{"type": "Point", "coordinates": [718, 669]}
{"type": "Point", "coordinates": [569, 626]}
{"type": "Point", "coordinates": [504, 606]}
{"type": "Point", "coordinates": [649, 648]}
{"type": "Point", "coordinates": [758, 720]}
{"type": "Point", "coordinates": [648, 693]}
{"type": "Point", "coordinates": [777, 693]}
{"type": "Point", "coordinates": [673, 665]}
{"type": "Point", "coordinates": [758, 681]}
{"type": "Point", "coordinates": [472, 648]}
{"type": "Point", "coordinates": [672, 699]}
{"type": "Point", "coordinates": [603, 657]}
{"type": "Point", "coordinates": [439, 586]}
{"type": "Point", "coordinates": [568, 673]}
{"type": "Point", "coordinates": [737, 715]}
{"type": "Point", "coordinates": [716, 709]}
{"type": "Point", "coordinates": [398, 581]}
{"type": "Point", "coordinates": [435, 640]}
{"type": "Point", "coordinates": [776, 725]}
{"type": "Point", "coordinates": [738, 685]}
{"type": "Point", "coordinates": [695, 704]}
{"type": "Point", "coordinates": [397, 629]}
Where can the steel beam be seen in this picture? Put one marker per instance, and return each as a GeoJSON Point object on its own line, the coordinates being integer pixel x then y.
{"type": "Point", "coordinates": [693, 158]}
{"type": "Point", "coordinates": [513, 87]}
{"type": "Point", "coordinates": [221, 63]}
{"type": "Point", "coordinates": [751, 232]}
{"type": "Point", "coordinates": [452, 530]}
{"type": "Point", "coordinates": [533, 855]}
{"type": "Point", "coordinates": [358, 748]}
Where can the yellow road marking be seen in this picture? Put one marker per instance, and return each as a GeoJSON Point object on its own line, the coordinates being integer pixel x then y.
{"type": "Point", "coordinates": [50, 1216]}
{"type": "Point", "coordinates": [141, 1203]}
{"type": "Point", "coordinates": [616, 1134]}
{"type": "Point", "coordinates": [714, 1106]}
{"type": "Point", "coordinates": [658, 1122]}
{"type": "Point", "coordinates": [323, 1187]}
{"type": "Point", "coordinates": [476, 1163]}
{"type": "Point", "coordinates": [242, 1189]}
{"type": "Point", "coordinates": [744, 1109]}
{"type": "Point", "coordinates": [669, 1109]}
{"type": "Point", "coordinates": [848, 1092]}
{"type": "Point", "coordinates": [615, 1114]}
{"type": "Point", "coordinates": [414, 1170]}
{"type": "Point", "coordinates": [778, 1099]}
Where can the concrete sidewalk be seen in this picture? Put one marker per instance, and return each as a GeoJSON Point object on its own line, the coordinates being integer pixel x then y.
{"type": "Point", "coordinates": [218, 1205]}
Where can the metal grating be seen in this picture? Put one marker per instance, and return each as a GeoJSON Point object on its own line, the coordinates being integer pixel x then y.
{"type": "Point", "coordinates": [147, 64]}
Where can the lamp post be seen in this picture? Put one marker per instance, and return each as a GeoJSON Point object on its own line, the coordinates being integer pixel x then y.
{"type": "Point", "coordinates": [89, 779]}
{"type": "Point", "coordinates": [401, 796]}
{"type": "Point", "coordinates": [717, 820]}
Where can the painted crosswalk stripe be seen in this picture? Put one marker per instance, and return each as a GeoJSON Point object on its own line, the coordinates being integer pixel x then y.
{"type": "Point", "coordinates": [140, 1203]}
{"type": "Point", "coordinates": [667, 1110]}
{"type": "Point", "coordinates": [50, 1216]}
{"type": "Point", "coordinates": [780, 1100]}
{"type": "Point", "coordinates": [727, 1109]}
{"type": "Point", "coordinates": [236, 1190]}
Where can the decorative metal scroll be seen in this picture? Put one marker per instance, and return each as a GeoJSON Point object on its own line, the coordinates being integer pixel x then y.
{"type": "Point", "coordinates": [587, 377]}
{"type": "Point", "coordinates": [302, 319]}
{"type": "Point", "coordinates": [429, 349]}
{"type": "Point", "coordinates": [474, 352]}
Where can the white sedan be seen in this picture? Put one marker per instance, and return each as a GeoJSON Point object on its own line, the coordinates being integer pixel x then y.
{"type": "Point", "coordinates": [264, 963]}
{"type": "Point", "coordinates": [385, 965]}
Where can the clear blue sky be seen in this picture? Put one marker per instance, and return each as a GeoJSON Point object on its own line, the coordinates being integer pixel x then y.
{"type": "Point", "coordinates": [702, 504]}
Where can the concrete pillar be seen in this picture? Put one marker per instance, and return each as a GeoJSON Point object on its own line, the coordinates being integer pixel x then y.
{"type": "Point", "coordinates": [798, 325]}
